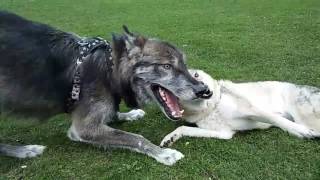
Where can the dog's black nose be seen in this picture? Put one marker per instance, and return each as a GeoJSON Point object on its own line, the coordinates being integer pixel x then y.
{"type": "Point", "coordinates": [203, 91]}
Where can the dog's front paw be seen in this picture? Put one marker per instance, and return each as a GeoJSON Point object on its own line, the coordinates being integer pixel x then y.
{"type": "Point", "coordinates": [29, 151]}
{"type": "Point", "coordinates": [135, 114]}
{"type": "Point", "coordinates": [169, 139]}
{"type": "Point", "coordinates": [169, 156]}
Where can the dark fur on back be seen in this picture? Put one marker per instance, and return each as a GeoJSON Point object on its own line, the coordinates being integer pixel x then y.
{"type": "Point", "coordinates": [37, 65]}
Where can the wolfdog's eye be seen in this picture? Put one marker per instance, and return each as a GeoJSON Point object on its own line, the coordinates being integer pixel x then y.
{"type": "Point", "coordinates": [196, 75]}
{"type": "Point", "coordinates": [167, 66]}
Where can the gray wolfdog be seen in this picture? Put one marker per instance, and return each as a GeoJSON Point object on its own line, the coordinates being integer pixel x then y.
{"type": "Point", "coordinates": [255, 105]}
{"type": "Point", "coordinates": [45, 71]}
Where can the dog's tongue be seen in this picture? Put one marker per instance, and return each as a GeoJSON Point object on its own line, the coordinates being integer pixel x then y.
{"type": "Point", "coordinates": [172, 103]}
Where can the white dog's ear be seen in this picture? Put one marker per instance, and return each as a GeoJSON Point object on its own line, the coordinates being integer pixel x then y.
{"type": "Point", "coordinates": [133, 40]}
{"type": "Point", "coordinates": [193, 72]}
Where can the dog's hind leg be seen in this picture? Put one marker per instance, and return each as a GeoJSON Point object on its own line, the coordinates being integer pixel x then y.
{"type": "Point", "coordinates": [27, 151]}
{"type": "Point", "coordinates": [194, 132]}
{"type": "Point", "coordinates": [293, 128]}
{"type": "Point", "coordinates": [132, 115]}
{"type": "Point", "coordinates": [90, 128]}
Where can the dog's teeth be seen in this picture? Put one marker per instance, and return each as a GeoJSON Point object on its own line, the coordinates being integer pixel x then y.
{"type": "Point", "coordinates": [182, 111]}
{"type": "Point", "coordinates": [163, 95]}
{"type": "Point", "coordinates": [161, 92]}
{"type": "Point", "coordinates": [173, 113]}
{"type": "Point", "coordinates": [164, 98]}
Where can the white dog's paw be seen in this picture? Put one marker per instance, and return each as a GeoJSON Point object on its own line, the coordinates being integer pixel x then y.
{"type": "Point", "coordinates": [169, 139]}
{"type": "Point", "coordinates": [304, 132]}
{"type": "Point", "coordinates": [29, 151]}
{"type": "Point", "coordinates": [169, 156]}
{"type": "Point", "coordinates": [135, 114]}
{"type": "Point", "coordinates": [225, 135]}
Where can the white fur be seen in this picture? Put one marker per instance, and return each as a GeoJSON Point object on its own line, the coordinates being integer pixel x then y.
{"type": "Point", "coordinates": [30, 151]}
{"type": "Point", "coordinates": [245, 106]}
{"type": "Point", "coordinates": [73, 134]}
{"type": "Point", "coordinates": [169, 156]}
{"type": "Point", "coordinates": [131, 115]}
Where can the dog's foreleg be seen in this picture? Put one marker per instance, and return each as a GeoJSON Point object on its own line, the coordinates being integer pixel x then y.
{"type": "Point", "coordinates": [181, 131]}
{"type": "Point", "coordinates": [108, 137]}
{"type": "Point", "coordinates": [90, 128]}
{"type": "Point", "coordinates": [27, 151]}
{"type": "Point", "coordinates": [132, 115]}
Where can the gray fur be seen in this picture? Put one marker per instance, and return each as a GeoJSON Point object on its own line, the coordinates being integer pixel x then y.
{"type": "Point", "coordinates": [288, 116]}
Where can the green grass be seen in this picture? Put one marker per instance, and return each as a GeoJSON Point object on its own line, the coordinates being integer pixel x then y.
{"type": "Point", "coordinates": [240, 40]}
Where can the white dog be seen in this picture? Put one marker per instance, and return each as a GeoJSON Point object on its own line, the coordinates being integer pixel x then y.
{"type": "Point", "coordinates": [244, 106]}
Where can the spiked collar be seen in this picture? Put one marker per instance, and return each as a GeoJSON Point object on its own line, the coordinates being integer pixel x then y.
{"type": "Point", "coordinates": [86, 47]}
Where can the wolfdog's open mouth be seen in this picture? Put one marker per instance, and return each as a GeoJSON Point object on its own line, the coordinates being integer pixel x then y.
{"type": "Point", "coordinates": [168, 101]}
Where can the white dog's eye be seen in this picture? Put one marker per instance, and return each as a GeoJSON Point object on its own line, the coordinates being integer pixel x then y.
{"type": "Point", "coordinates": [196, 75]}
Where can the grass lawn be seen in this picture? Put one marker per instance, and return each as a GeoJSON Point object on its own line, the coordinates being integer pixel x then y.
{"type": "Point", "coordinates": [240, 40]}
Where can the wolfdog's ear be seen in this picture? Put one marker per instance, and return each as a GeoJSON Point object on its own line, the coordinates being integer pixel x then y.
{"type": "Point", "coordinates": [133, 40]}
{"type": "Point", "coordinates": [119, 45]}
